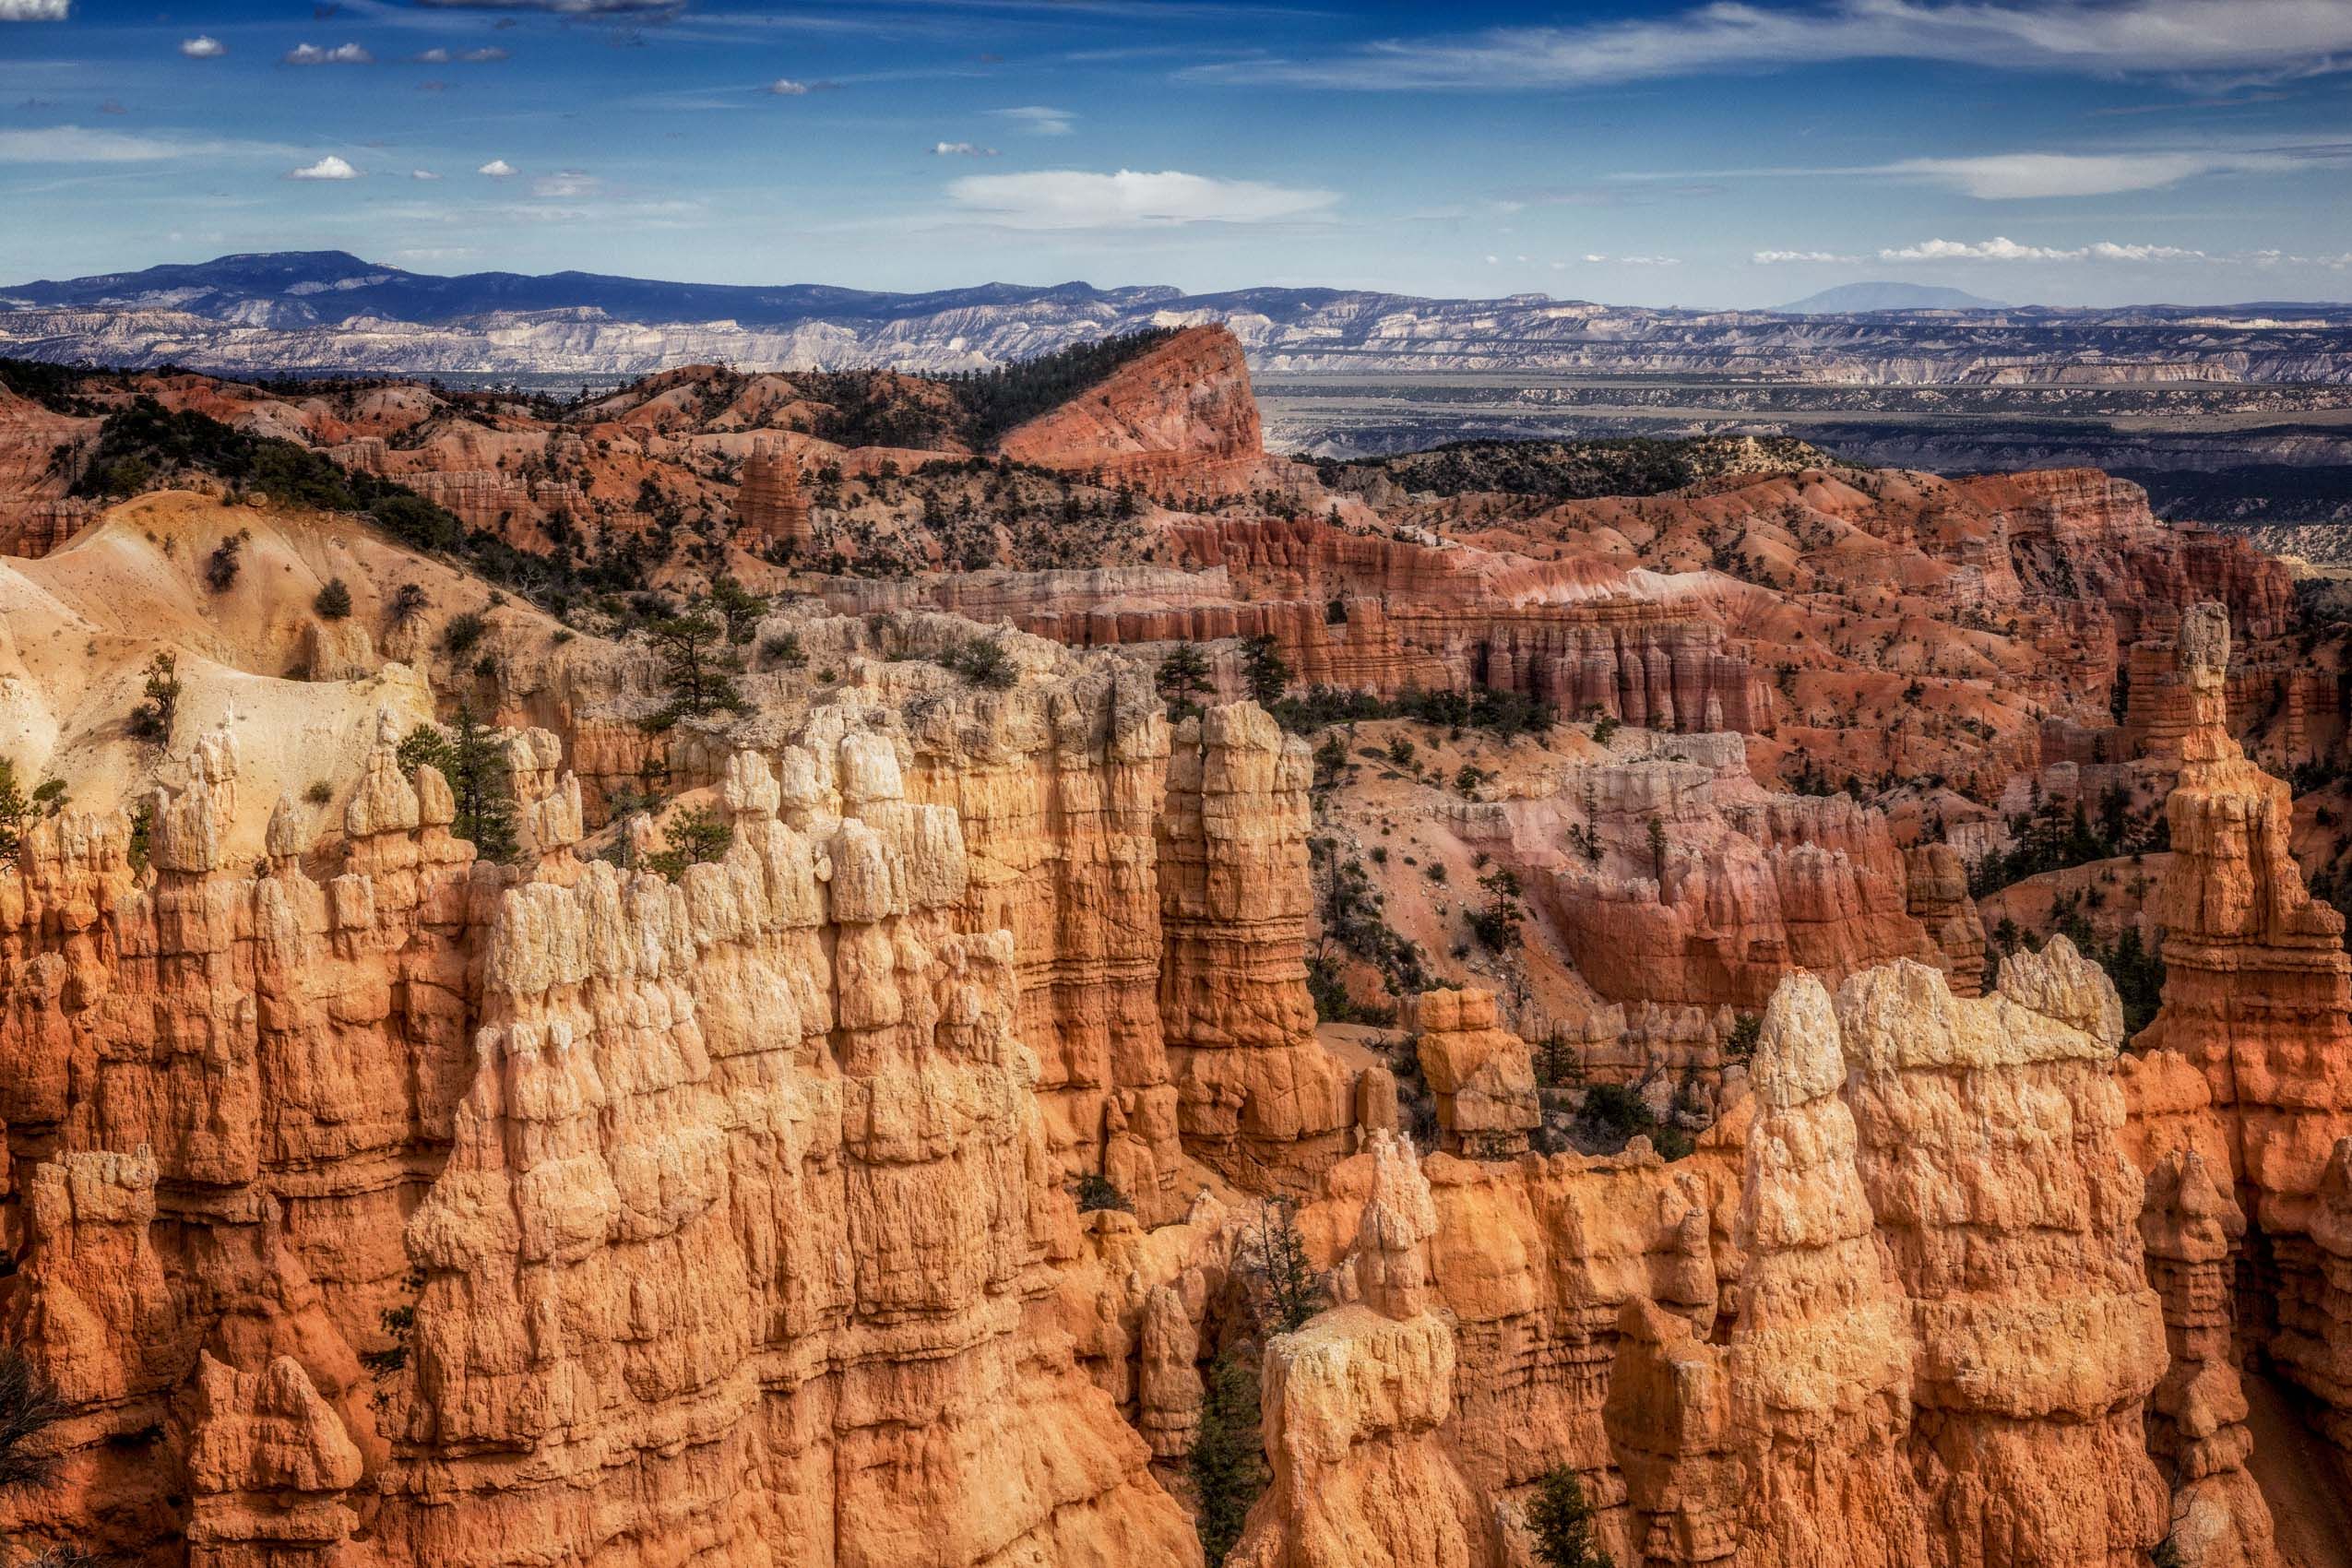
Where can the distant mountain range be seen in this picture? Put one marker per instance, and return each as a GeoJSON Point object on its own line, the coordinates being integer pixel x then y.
{"type": "Point", "coordinates": [330, 311]}
{"type": "Point", "coordinates": [1848, 299]}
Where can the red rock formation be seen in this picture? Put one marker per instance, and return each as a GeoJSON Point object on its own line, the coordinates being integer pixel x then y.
{"type": "Point", "coordinates": [2257, 997]}
{"type": "Point", "coordinates": [769, 507]}
{"type": "Point", "coordinates": [1936, 885]}
{"type": "Point", "coordinates": [1176, 418]}
{"type": "Point", "coordinates": [1059, 787]}
{"type": "Point", "coordinates": [1257, 1097]}
{"type": "Point", "coordinates": [664, 1076]}
{"type": "Point", "coordinates": [1482, 1076]}
{"type": "Point", "coordinates": [36, 515]}
{"type": "Point", "coordinates": [1741, 887]}
{"type": "Point", "coordinates": [1354, 1403]}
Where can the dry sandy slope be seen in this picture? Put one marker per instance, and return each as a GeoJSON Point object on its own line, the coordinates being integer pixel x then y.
{"type": "Point", "coordinates": [78, 627]}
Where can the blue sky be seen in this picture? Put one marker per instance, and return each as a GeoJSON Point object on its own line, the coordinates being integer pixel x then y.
{"type": "Point", "coordinates": [2092, 153]}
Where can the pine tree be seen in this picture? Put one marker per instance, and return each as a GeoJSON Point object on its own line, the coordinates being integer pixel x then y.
{"type": "Point", "coordinates": [478, 779]}
{"type": "Point", "coordinates": [696, 666]}
{"type": "Point", "coordinates": [1184, 677]}
{"type": "Point", "coordinates": [334, 600]}
{"type": "Point", "coordinates": [1560, 1520]}
{"type": "Point", "coordinates": [1265, 670]}
{"type": "Point", "coordinates": [472, 760]}
{"type": "Point", "coordinates": [1227, 1467]}
{"type": "Point", "coordinates": [1282, 1281]}
{"type": "Point", "coordinates": [151, 720]}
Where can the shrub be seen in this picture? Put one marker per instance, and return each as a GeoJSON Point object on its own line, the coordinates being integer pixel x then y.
{"type": "Point", "coordinates": [409, 603]}
{"type": "Point", "coordinates": [220, 570]}
{"type": "Point", "coordinates": [1182, 679]}
{"type": "Point", "coordinates": [697, 668]}
{"type": "Point", "coordinates": [334, 600]}
{"type": "Point", "coordinates": [463, 631]}
{"type": "Point", "coordinates": [784, 650]}
{"type": "Point", "coordinates": [319, 792]}
{"type": "Point", "coordinates": [1096, 1192]}
{"type": "Point", "coordinates": [1284, 1291]}
{"type": "Point", "coordinates": [29, 1406]}
{"type": "Point", "coordinates": [19, 808]}
{"type": "Point", "coordinates": [473, 762]}
{"type": "Point", "coordinates": [1746, 1030]}
{"type": "Point", "coordinates": [982, 662]}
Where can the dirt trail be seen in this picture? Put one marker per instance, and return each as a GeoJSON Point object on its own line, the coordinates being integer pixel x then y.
{"type": "Point", "coordinates": [2302, 1479]}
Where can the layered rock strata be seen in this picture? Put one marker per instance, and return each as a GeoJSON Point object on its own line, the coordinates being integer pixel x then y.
{"type": "Point", "coordinates": [732, 1224]}
{"type": "Point", "coordinates": [1258, 1097]}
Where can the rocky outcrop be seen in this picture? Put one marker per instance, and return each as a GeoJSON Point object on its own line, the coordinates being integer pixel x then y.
{"type": "Point", "coordinates": [1989, 1150]}
{"type": "Point", "coordinates": [2190, 1227]}
{"type": "Point", "coordinates": [1059, 787]}
{"type": "Point", "coordinates": [1936, 889]}
{"type": "Point", "coordinates": [731, 1169]}
{"type": "Point", "coordinates": [1683, 891]}
{"type": "Point", "coordinates": [1177, 418]}
{"type": "Point", "coordinates": [2258, 999]}
{"type": "Point", "coordinates": [771, 510]}
{"type": "Point", "coordinates": [1257, 1097]}
{"type": "Point", "coordinates": [1941, 1342]}
{"type": "Point", "coordinates": [1482, 1076]}
{"type": "Point", "coordinates": [1819, 1363]}
{"type": "Point", "coordinates": [1354, 1403]}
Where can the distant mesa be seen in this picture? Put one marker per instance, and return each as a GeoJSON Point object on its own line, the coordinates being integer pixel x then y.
{"type": "Point", "coordinates": [1848, 299]}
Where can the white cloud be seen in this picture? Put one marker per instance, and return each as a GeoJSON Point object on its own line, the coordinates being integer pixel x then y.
{"type": "Point", "coordinates": [2280, 38]}
{"type": "Point", "coordinates": [342, 54]}
{"type": "Point", "coordinates": [423, 175]}
{"type": "Point", "coordinates": [35, 10]}
{"type": "Point", "coordinates": [327, 167]}
{"type": "Point", "coordinates": [203, 46]}
{"type": "Point", "coordinates": [2001, 248]}
{"type": "Point", "coordinates": [1774, 258]}
{"type": "Point", "coordinates": [75, 144]}
{"type": "Point", "coordinates": [2031, 176]}
{"type": "Point", "coordinates": [433, 56]}
{"type": "Point", "coordinates": [489, 55]}
{"type": "Point", "coordinates": [1038, 120]}
{"type": "Point", "coordinates": [961, 150]}
{"type": "Point", "coordinates": [498, 168]}
{"type": "Point", "coordinates": [785, 86]}
{"type": "Point", "coordinates": [1073, 198]}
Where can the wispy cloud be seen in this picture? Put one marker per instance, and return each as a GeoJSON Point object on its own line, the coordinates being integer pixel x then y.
{"type": "Point", "coordinates": [2033, 175]}
{"type": "Point", "coordinates": [2001, 248]}
{"type": "Point", "coordinates": [203, 46]}
{"type": "Point", "coordinates": [565, 185]}
{"type": "Point", "coordinates": [785, 86]}
{"type": "Point", "coordinates": [342, 54]}
{"type": "Point", "coordinates": [1038, 120]}
{"type": "Point", "coordinates": [2013, 176]}
{"type": "Point", "coordinates": [961, 150]}
{"type": "Point", "coordinates": [76, 144]}
{"type": "Point", "coordinates": [327, 167]}
{"type": "Point", "coordinates": [423, 175]}
{"type": "Point", "coordinates": [2250, 38]}
{"type": "Point", "coordinates": [1776, 259]}
{"type": "Point", "coordinates": [1073, 198]}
